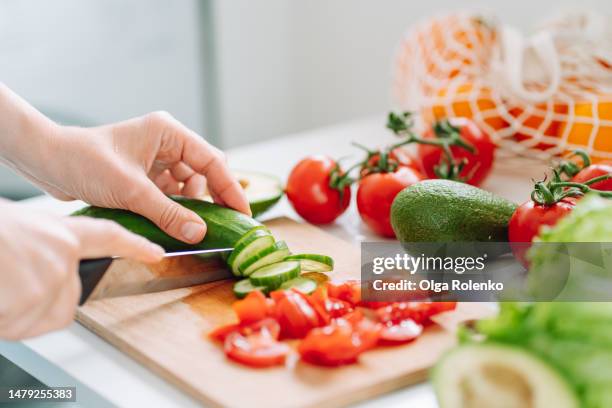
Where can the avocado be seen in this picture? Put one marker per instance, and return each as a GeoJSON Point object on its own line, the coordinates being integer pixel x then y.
{"type": "Point", "coordinates": [450, 211]}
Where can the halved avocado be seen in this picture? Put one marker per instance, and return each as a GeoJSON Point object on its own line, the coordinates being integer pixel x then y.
{"type": "Point", "coordinates": [492, 375]}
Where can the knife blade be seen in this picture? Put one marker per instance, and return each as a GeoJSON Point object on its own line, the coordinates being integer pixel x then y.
{"type": "Point", "coordinates": [210, 269]}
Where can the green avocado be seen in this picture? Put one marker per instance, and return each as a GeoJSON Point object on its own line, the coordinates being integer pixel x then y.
{"type": "Point", "coordinates": [449, 211]}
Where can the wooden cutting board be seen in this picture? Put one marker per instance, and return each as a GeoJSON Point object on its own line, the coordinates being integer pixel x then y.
{"type": "Point", "coordinates": [166, 332]}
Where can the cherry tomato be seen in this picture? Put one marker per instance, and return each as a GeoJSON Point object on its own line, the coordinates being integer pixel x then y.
{"type": "Point", "coordinates": [376, 194]}
{"type": "Point", "coordinates": [338, 343]}
{"type": "Point", "coordinates": [478, 164]}
{"type": "Point", "coordinates": [349, 291]}
{"type": "Point", "coordinates": [221, 332]}
{"type": "Point", "coordinates": [252, 308]}
{"type": "Point", "coordinates": [309, 191]}
{"type": "Point", "coordinates": [294, 313]}
{"type": "Point", "coordinates": [328, 308]}
{"type": "Point", "coordinates": [258, 349]}
{"type": "Point", "coordinates": [398, 156]}
{"type": "Point", "coordinates": [268, 324]}
{"type": "Point", "coordinates": [527, 220]}
{"type": "Point", "coordinates": [398, 333]}
{"type": "Point", "coordinates": [420, 312]}
{"type": "Point", "coordinates": [595, 170]}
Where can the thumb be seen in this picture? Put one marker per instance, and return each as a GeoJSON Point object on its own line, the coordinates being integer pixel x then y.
{"type": "Point", "coordinates": [174, 219]}
{"type": "Point", "coordinates": [100, 238]}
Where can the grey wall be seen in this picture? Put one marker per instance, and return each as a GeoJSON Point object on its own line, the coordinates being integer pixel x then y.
{"type": "Point", "coordinates": [93, 61]}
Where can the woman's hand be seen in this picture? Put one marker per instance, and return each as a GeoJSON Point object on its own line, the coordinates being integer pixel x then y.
{"type": "Point", "coordinates": [129, 165]}
{"type": "Point", "coordinates": [40, 253]}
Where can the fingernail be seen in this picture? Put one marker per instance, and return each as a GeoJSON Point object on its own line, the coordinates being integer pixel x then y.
{"type": "Point", "coordinates": [159, 251]}
{"type": "Point", "coordinates": [193, 231]}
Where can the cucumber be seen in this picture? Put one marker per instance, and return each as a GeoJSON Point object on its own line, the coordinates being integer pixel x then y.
{"type": "Point", "coordinates": [225, 226]}
{"type": "Point", "coordinates": [262, 190]}
{"type": "Point", "coordinates": [265, 256]}
{"type": "Point", "coordinates": [482, 375]}
{"type": "Point", "coordinates": [273, 275]}
{"type": "Point", "coordinates": [319, 277]}
{"type": "Point", "coordinates": [313, 262]}
{"type": "Point", "coordinates": [252, 242]}
{"type": "Point", "coordinates": [304, 285]}
{"type": "Point", "coordinates": [244, 287]}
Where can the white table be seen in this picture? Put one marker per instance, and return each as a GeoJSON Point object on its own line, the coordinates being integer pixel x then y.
{"type": "Point", "coordinates": [104, 376]}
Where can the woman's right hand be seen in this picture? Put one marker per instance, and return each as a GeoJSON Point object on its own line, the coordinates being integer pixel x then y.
{"type": "Point", "coordinates": [40, 253]}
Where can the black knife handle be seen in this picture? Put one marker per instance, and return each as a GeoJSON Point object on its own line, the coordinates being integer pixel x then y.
{"type": "Point", "coordinates": [91, 272]}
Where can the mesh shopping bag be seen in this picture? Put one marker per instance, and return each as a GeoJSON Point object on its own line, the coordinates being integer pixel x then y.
{"type": "Point", "coordinates": [539, 96]}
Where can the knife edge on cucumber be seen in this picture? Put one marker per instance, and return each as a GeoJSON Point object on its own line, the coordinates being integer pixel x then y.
{"type": "Point", "coordinates": [254, 246]}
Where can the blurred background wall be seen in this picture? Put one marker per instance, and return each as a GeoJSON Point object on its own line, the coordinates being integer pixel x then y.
{"type": "Point", "coordinates": [237, 71]}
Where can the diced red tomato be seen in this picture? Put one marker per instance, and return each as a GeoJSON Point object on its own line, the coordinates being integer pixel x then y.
{"type": "Point", "coordinates": [331, 345]}
{"type": "Point", "coordinates": [221, 332]}
{"type": "Point", "coordinates": [294, 313]}
{"type": "Point", "coordinates": [402, 332]}
{"type": "Point", "coordinates": [259, 349]}
{"type": "Point", "coordinates": [252, 308]}
{"type": "Point", "coordinates": [268, 324]}
{"type": "Point", "coordinates": [329, 308]}
{"type": "Point", "coordinates": [349, 291]}
{"type": "Point", "coordinates": [420, 312]}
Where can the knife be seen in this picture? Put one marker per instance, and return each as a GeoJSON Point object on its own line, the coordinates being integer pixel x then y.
{"type": "Point", "coordinates": [91, 272]}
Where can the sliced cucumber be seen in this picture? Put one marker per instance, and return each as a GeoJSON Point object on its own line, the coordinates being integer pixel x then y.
{"type": "Point", "coordinates": [273, 275]}
{"type": "Point", "coordinates": [482, 375]}
{"type": "Point", "coordinates": [313, 262]}
{"type": "Point", "coordinates": [318, 277]}
{"type": "Point", "coordinates": [244, 287]}
{"type": "Point", "coordinates": [262, 190]}
{"type": "Point", "coordinates": [251, 243]}
{"type": "Point", "coordinates": [263, 257]}
{"type": "Point", "coordinates": [304, 285]}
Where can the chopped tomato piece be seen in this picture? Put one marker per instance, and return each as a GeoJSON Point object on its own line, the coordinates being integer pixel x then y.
{"type": "Point", "coordinates": [258, 349]}
{"type": "Point", "coordinates": [420, 312]}
{"type": "Point", "coordinates": [252, 308]}
{"type": "Point", "coordinates": [294, 313]}
{"type": "Point", "coordinates": [268, 324]}
{"type": "Point", "coordinates": [331, 345]}
{"type": "Point", "coordinates": [221, 332]}
{"type": "Point", "coordinates": [328, 307]}
{"type": "Point", "coordinates": [402, 332]}
{"type": "Point", "coordinates": [368, 331]}
{"type": "Point", "coordinates": [349, 291]}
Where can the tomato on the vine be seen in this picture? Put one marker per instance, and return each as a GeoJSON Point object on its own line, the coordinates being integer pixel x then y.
{"type": "Point", "coordinates": [398, 157]}
{"type": "Point", "coordinates": [310, 190]}
{"type": "Point", "coordinates": [477, 163]}
{"type": "Point", "coordinates": [376, 194]}
{"type": "Point", "coordinates": [527, 220]}
{"type": "Point", "coordinates": [595, 170]}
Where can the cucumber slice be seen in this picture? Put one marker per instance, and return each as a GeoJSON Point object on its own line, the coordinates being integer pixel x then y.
{"type": "Point", "coordinates": [262, 190]}
{"type": "Point", "coordinates": [244, 287]}
{"type": "Point", "coordinates": [304, 285]}
{"type": "Point", "coordinates": [318, 277]}
{"type": "Point", "coordinates": [482, 375]}
{"type": "Point", "coordinates": [273, 275]}
{"type": "Point", "coordinates": [263, 257]}
{"type": "Point", "coordinates": [313, 262]}
{"type": "Point", "coordinates": [254, 241]}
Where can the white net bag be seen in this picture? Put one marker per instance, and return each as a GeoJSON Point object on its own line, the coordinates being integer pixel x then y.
{"type": "Point", "coordinates": [539, 96]}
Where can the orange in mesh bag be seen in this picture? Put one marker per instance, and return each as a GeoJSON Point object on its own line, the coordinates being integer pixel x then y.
{"type": "Point", "coordinates": [539, 96]}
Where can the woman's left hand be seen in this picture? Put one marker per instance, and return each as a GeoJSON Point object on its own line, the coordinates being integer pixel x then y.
{"type": "Point", "coordinates": [133, 165]}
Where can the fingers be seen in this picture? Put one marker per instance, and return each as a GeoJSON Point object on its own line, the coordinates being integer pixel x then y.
{"type": "Point", "coordinates": [180, 144]}
{"type": "Point", "coordinates": [100, 238]}
{"type": "Point", "coordinates": [60, 313]}
{"type": "Point", "coordinates": [209, 161]}
{"type": "Point", "coordinates": [174, 219]}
